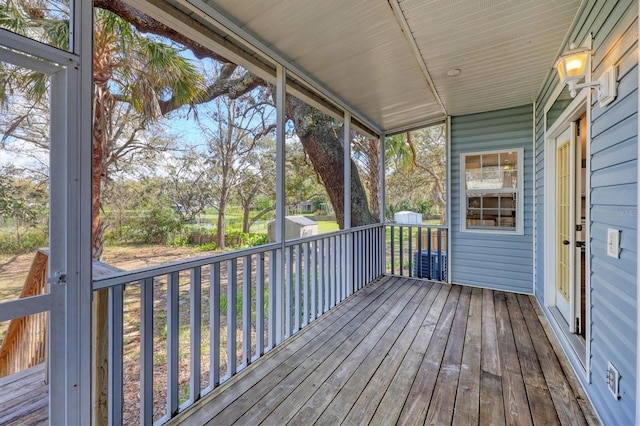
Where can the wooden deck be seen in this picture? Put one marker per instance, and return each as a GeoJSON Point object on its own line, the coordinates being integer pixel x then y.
{"type": "Point", "coordinates": [24, 398]}
{"type": "Point", "coordinates": [408, 352]}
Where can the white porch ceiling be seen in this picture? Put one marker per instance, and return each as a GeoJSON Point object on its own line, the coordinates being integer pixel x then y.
{"type": "Point", "coordinates": [388, 60]}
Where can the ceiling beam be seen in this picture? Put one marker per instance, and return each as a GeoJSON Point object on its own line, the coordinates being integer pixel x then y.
{"type": "Point", "coordinates": [408, 35]}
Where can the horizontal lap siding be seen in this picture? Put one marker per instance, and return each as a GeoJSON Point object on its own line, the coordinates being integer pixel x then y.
{"type": "Point", "coordinates": [613, 205]}
{"type": "Point", "coordinates": [495, 261]}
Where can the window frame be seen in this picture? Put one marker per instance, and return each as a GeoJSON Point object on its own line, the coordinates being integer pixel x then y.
{"type": "Point", "coordinates": [519, 191]}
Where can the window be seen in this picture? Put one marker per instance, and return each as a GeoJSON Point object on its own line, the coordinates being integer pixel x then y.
{"type": "Point", "coordinates": [492, 191]}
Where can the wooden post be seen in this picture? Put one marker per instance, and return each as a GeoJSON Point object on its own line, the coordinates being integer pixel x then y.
{"type": "Point", "coordinates": [100, 391]}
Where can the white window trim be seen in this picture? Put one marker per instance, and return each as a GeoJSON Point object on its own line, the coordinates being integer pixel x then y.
{"type": "Point", "coordinates": [519, 230]}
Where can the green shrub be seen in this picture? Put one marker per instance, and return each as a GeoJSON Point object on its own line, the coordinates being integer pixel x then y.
{"type": "Point", "coordinates": [178, 240]}
{"type": "Point", "coordinates": [258, 239]}
{"type": "Point", "coordinates": [157, 225]}
{"type": "Point", "coordinates": [212, 246]}
{"type": "Point", "coordinates": [30, 240]}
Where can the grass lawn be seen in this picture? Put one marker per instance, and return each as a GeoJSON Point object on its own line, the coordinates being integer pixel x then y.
{"type": "Point", "coordinates": [325, 227]}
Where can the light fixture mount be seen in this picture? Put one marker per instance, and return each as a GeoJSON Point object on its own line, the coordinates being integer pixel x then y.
{"type": "Point", "coordinates": [572, 68]}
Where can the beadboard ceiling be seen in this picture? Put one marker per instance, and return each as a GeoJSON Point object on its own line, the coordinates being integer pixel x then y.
{"type": "Point", "coordinates": [389, 59]}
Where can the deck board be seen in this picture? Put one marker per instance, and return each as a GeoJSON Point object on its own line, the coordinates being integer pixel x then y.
{"type": "Point", "coordinates": [24, 398]}
{"type": "Point", "coordinates": [407, 352]}
{"type": "Point", "coordinates": [467, 405]}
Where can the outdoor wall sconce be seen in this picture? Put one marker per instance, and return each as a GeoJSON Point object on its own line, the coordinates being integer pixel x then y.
{"type": "Point", "coordinates": [572, 68]}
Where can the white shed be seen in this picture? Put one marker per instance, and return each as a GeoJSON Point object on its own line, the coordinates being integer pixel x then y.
{"type": "Point", "coordinates": [408, 218]}
{"type": "Point", "coordinates": [294, 227]}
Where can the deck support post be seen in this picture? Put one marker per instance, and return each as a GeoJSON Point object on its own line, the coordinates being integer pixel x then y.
{"type": "Point", "coordinates": [281, 80]}
{"type": "Point", "coordinates": [381, 197]}
{"type": "Point", "coordinates": [348, 243]}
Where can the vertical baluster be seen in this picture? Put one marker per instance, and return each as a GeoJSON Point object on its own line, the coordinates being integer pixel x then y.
{"type": "Point", "coordinates": [298, 289]}
{"type": "Point", "coordinates": [356, 262]}
{"type": "Point", "coordinates": [232, 315]}
{"type": "Point", "coordinates": [195, 326]}
{"type": "Point", "coordinates": [173, 326]}
{"type": "Point", "coordinates": [340, 257]}
{"type": "Point", "coordinates": [115, 353]}
{"type": "Point", "coordinates": [307, 279]}
{"type": "Point", "coordinates": [334, 272]}
{"type": "Point", "coordinates": [348, 265]}
{"type": "Point", "coordinates": [273, 281]}
{"type": "Point", "coordinates": [439, 254]}
{"type": "Point", "coordinates": [214, 325]}
{"type": "Point", "coordinates": [260, 305]}
{"type": "Point", "coordinates": [393, 251]}
{"type": "Point", "coordinates": [364, 256]}
{"type": "Point", "coordinates": [246, 310]}
{"type": "Point", "coordinates": [146, 352]}
{"type": "Point", "coordinates": [430, 272]}
{"type": "Point", "coordinates": [314, 279]}
{"type": "Point", "coordinates": [401, 229]}
{"type": "Point", "coordinates": [419, 256]}
{"type": "Point", "coordinates": [366, 259]}
{"type": "Point", "coordinates": [324, 277]}
{"type": "Point", "coordinates": [370, 255]}
{"type": "Point", "coordinates": [341, 268]}
{"type": "Point", "coordinates": [375, 252]}
{"type": "Point", "coordinates": [371, 251]}
{"type": "Point", "coordinates": [410, 251]}
{"type": "Point", "coordinates": [288, 293]}
{"type": "Point", "coordinates": [326, 287]}
{"type": "Point", "coordinates": [382, 250]}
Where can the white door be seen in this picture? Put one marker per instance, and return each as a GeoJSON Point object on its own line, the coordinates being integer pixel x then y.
{"type": "Point", "coordinates": [565, 238]}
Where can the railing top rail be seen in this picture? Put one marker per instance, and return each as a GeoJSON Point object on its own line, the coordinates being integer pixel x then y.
{"type": "Point", "coordinates": [110, 280]}
{"type": "Point", "coordinates": [124, 277]}
{"type": "Point", "coordinates": [415, 225]}
{"type": "Point", "coordinates": [304, 240]}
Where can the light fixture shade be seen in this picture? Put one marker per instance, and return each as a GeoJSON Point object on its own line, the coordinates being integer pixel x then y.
{"type": "Point", "coordinates": [572, 65]}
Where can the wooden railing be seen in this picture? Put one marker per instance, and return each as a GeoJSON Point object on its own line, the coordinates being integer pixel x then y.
{"type": "Point", "coordinates": [182, 329]}
{"type": "Point", "coordinates": [24, 344]}
{"type": "Point", "coordinates": [417, 251]}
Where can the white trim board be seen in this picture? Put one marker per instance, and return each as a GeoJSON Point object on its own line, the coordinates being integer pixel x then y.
{"type": "Point", "coordinates": [576, 108]}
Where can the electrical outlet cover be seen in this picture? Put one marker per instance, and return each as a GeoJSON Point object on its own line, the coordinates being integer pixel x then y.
{"type": "Point", "coordinates": [613, 380]}
{"type": "Point", "coordinates": [613, 243]}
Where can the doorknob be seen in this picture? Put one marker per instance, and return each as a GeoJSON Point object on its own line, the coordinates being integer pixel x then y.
{"type": "Point", "coordinates": [566, 242]}
{"type": "Point", "coordinates": [580, 244]}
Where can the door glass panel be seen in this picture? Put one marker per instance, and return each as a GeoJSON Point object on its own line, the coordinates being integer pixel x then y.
{"type": "Point", "coordinates": [46, 21]}
{"type": "Point", "coordinates": [24, 181]}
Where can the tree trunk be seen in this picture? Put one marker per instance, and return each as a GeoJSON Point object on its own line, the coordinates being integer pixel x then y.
{"type": "Point", "coordinates": [373, 178]}
{"type": "Point", "coordinates": [222, 207]}
{"type": "Point", "coordinates": [101, 106]}
{"type": "Point", "coordinates": [325, 148]}
{"type": "Point", "coordinates": [246, 206]}
{"type": "Point", "coordinates": [245, 219]}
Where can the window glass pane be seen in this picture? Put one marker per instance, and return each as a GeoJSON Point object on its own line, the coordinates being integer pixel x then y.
{"type": "Point", "coordinates": [473, 172]}
{"type": "Point", "coordinates": [46, 21]}
{"type": "Point", "coordinates": [491, 210]}
{"type": "Point", "coordinates": [509, 166]}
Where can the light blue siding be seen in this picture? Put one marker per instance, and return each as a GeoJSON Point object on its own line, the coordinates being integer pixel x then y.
{"type": "Point", "coordinates": [613, 160]}
{"type": "Point", "coordinates": [490, 260]}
